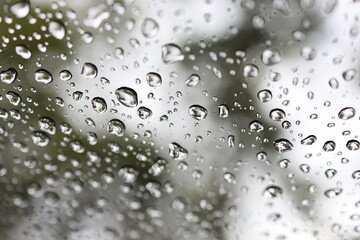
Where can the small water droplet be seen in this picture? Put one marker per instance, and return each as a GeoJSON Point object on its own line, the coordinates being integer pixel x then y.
{"type": "Point", "coordinates": [333, 83]}
{"type": "Point", "coordinates": [128, 174]}
{"type": "Point", "coordinates": [177, 152]}
{"type": "Point", "coordinates": [144, 113]}
{"type": "Point", "coordinates": [193, 80]}
{"type": "Point", "coordinates": [40, 138]}
{"type": "Point", "coordinates": [23, 51]}
{"type": "Point", "coordinates": [13, 98]}
{"type": "Point", "coordinates": [251, 70]}
{"type": "Point", "coordinates": [277, 114]}
{"type": "Point", "coordinates": [355, 175]}
{"type": "Point", "coordinates": [272, 192]}
{"type": "Point", "coordinates": [65, 75]}
{"type": "Point", "coordinates": [149, 28]}
{"type": "Point", "coordinates": [270, 56]}
{"type": "Point", "coordinates": [308, 53]}
{"type": "Point", "coordinates": [329, 146]}
{"type": "Point", "coordinates": [330, 173]}
{"type": "Point", "coordinates": [256, 126]}
{"type": "Point", "coordinates": [353, 145]}
{"type": "Point", "coordinates": [153, 79]}
{"type": "Point", "coordinates": [229, 178]}
{"type": "Point", "coordinates": [47, 125]}
{"type": "Point", "coordinates": [264, 95]}
{"type": "Point", "coordinates": [284, 163]}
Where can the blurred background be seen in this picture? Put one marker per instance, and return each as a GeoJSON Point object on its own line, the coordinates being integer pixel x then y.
{"type": "Point", "coordinates": [179, 119]}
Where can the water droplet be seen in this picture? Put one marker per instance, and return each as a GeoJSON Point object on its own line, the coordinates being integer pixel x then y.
{"type": "Point", "coordinates": [283, 145]}
{"type": "Point", "coordinates": [40, 138]}
{"type": "Point", "coordinates": [347, 113]}
{"type": "Point", "coordinates": [330, 173]}
{"type": "Point", "coordinates": [353, 145]}
{"type": "Point", "coordinates": [89, 71]}
{"type": "Point", "coordinates": [308, 53]}
{"type": "Point", "coordinates": [8, 76]}
{"type": "Point", "coordinates": [193, 80]}
{"type": "Point", "coordinates": [13, 98]}
{"type": "Point", "coordinates": [20, 9]}
{"type": "Point", "coordinates": [329, 146]}
{"type": "Point", "coordinates": [272, 192]}
{"type": "Point", "coordinates": [127, 96]}
{"type": "Point", "coordinates": [256, 126]}
{"type": "Point", "coordinates": [304, 168]}
{"type": "Point", "coordinates": [309, 140]}
{"type": "Point", "coordinates": [284, 163]}
{"type": "Point", "coordinates": [231, 141]}
{"type": "Point", "coordinates": [99, 104]}
{"type": "Point", "coordinates": [333, 192]}
{"type": "Point", "coordinates": [116, 127]}
{"type": "Point", "coordinates": [128, 174]}
{"type": "Point", "coordinates": [333, 83]}
{"type": "Point", "coordinates": [144, 113]}
{"type": "Point", "coordinates": [258, 22]}
{"type": "Point", "coordinates": [57, 29]}
{"type": "Point", "coordinates": [277, 114]}
{"type": "Point", "coordinates": [77, 146]}
{"type": "Point", "coordinates": [177, 152]}
{"type": "Point", "coordinates": [282, 6]}
{"type": "Point", "coordinates": [349, 75]}
{"type": "Point", "coordinates": [153, 79]}
{"type": "Point", "coordinates": [223, 111]}
{"type": "Point", "coordinates": [229, 178]}
{"type": "Point", "coordinates": [171, 53]}
{"type": "Point", "coordinates": [198, 112]}
{"type": "Point", "coordinates": [270, 56]}
{"type": "Point", "coordinates": [158, 167]}
{"type": "Point", "coordinates": [251, 70]}
{"type": "Point", "coordinates": [355, 175]}
{"type": "Point", "coordinates": [264, 95]}
{"type": "Point", "coordinates": [51, 198]}
{"type": "Point", "coordinates": [65, 75]}
{"type": "Point", "coordinates": [23, 51]}
{"type": "Point", "coordinates": [43, 76]}
{"type": "Point", "coordinates": [149, 28]}
{"type": "Point", "coordinates": [119, 53]}
{"type": "Point", "coordinates": [47, 125]}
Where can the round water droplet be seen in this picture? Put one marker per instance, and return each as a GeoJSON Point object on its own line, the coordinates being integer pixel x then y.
{"type": "Point", "coordinates": [355, 175]}
{"type": "Point", "coordinates": [284, 163]}
{"type": "Point", "coordinates": [77, 146]}
{"type": "Point", "coordinates": [277, 114]}
{"type": "Point", "coordinates": [20, 9]}
{"type": "Point", "coordinates": [304, 168]}
{"type": "Point", "coordinates": [65, 75]}
{"type": "Point", "coordinates": [256, 126]}
{"type": "Point", "coordinates": [8, 76]}
{"type": "Point", "coordinates": [333, 192]}
{"type": "Point", "coordinates": [308, 53]}
{"type": "Point", "coordinates": [144, 113]}
{"type": "Point", "coordinates": [47, 125]}
{"type": "Point", "coordinates": [43, 76]}
{"type": "Point", "coordinates": [171, 53]}
{"type": "Point", "coordinates": [258, 22]}
{"type": "Point", "coordinates": [99, 104]}
{"type": "Point", "coordinates": [57, 29]}
{"type": "Point", "coordinates": [153, 79]}
{"type": "Point", "coordinates": [119, 53]}
{"type": "Point", "coordinates": [347, 113]}
{"type": "Point", "coordinates": [264, 95]}
{"type": "Point", "coordinates": [177, 152]}
{"type": "Point", "coordinates": [149, 28]}
{"type": "Point", "coordinates": [127, 96]}
{"type": "Point", "coordinates": [193, 80]}
{"type": "Point", "coordinates": [309, 140]}
{"type": "Point", "coordinates": [330, 173]}
{"type": "Point", "coordinates": [353, 145]}
{"type": "Point", "coordinates": [198, 112]}
{"type": "Point", "coordinates": [333, 83]}
{"type": "Point", "coordinates": [40, 138]}
{"type": "Point", "coordinates": [272, 192]}
{"type": "Point", "coordinates": [128, 174]}
{"type": "Point", "coordinates": [283, 145]}
{"type": "Point", "coordinates": [89, 71]}
{"type": "Point", "coordinates": [349, 75]}
{"type": "Point", "coordinates": [270, 56]}
{"type": "Point", "coordinates": [116, 127]}
{"type": "Point", "coordinates": [23, 51]}
{"type": "Point", "coordinates": [329, 146]}
{"type": "Point", "coordinates": [251, 70]}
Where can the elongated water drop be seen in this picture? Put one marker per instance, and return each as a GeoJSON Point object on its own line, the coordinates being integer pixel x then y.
{"type": "Point", "coordinates": [57, 29]}
{"type": "Point", "coordinates": [309, 140]}
{"type": "Point", "coordinates": [65, 75]}
{"type": "Point", "coordinates": [333, 192]}
{"type": "Point", "coordinates": [8, 76]}
{"type": "Point", "coordinates": [23, 51]}
{"type": "Point", "coordinates": [20, 9]}
{"type": "Point", "coordinates": [283, 145]}
{"type": "Point", "coordinates": [223, 111]}
{"type": "Point", "coordinates": [193, 80]}
{"type": "Point", "coordinates": [347, 113]}
{"type": "Point", "coordinates": [43, 76]}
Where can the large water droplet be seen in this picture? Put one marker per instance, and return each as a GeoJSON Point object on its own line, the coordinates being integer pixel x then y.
{"type": "Point", "coordinates": [283, 145]}
{"type": "Point", "coordinates": [99, 104]}
{"type": "Point", "coordinates": [272, 192]}
{"type": "Point", "coordinates": [43, 76]}
{"type": "Point", "coordinates": [256, 126]}
{"type": "Point", "coordinates": [329, 146]}
{"type": "Point", "coordinates": [23, 51]}
{"type": "Point", "coordinates": [177, 152]}
{"type": "Point", "coordinates": [20, 9]}
{"type": "Point", "coordinates": [153, 79]}
{"type": "Point", "coordinates": [264, 95]}
{"type": "Point", "coordinates": [171, 53]}
{"type": "Point", "coordinates": [8, 76]}
{"type": "Point", "coordinates": [116, 127]}
{"type": "Point", "coordinates": [40, 138]}
{"type": "Point", "coordinates": [277, 114]}
{"type": "Point", "coordinates": [198, 112]}
{"type": "Point", "coordinates": [251, 70]}
{"type": "Point", "coordinates": [144, 113]}
{"type": "Point", "coordinates": [353, 145]}
{"type": "Point", "coordinates": [57, 29]}
{"type": "Point", "coordinates": [89, 71]}
{"type": "Point", "coordinates": [127, 96]}
{"type": "Point", "coordinates": [149, 28]}
{"type": "Point", "coordinates": [65, 75]}
{"type": "Point", "coordinates": [347, 113]}
{"type": "Point", "coordinates": [270, 56]}
{"type": "Point", "coordinates": [193, 80]}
